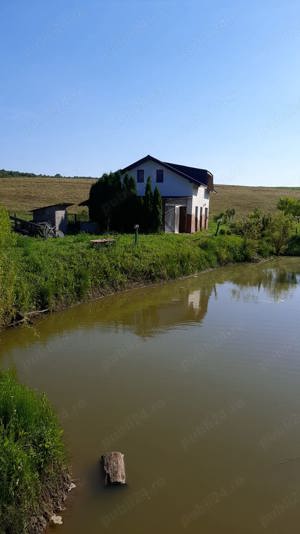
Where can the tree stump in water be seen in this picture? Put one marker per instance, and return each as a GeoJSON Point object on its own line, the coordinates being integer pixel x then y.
{"type": "Point", "coordinates": [114, 468]}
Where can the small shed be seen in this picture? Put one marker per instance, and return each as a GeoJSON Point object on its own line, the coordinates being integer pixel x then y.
{"type": "Point", "coordinates": [55, 215]}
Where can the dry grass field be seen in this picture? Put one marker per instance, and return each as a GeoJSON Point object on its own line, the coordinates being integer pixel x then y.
{"type": "Point", "coordinates": [245, 199]}
{"type": "Point", "coordinates": [21, 194]}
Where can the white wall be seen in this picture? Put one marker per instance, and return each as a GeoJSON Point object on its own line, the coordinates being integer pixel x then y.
{"type": "Point", "coordinates": [173, 185]}
{"type": "Point", "coordinates": [201, 199]}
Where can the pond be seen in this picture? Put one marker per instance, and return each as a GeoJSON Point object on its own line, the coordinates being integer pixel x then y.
{"type": "Point", "coordinates": [197, 382]}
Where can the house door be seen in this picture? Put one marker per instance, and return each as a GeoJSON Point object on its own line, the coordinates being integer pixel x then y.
{"type": "Point", "coordinates": [182, 219]}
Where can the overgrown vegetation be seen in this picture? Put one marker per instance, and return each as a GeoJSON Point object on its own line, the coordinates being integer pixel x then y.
{"type": "Point", "coordinates": [32, 456]}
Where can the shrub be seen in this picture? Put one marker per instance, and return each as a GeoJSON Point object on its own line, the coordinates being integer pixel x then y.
{"type": "Point", "coordinates": [7, 237]}
{"type": "Point", "coordinates": [293, 246]}
{"type": "Point", "coordinates": [279, 232]}
{"type": "Point", "coordinates": [31, 452]}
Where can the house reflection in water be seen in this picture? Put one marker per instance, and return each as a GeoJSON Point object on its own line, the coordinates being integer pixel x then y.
{"type": "Point", "coordinates": [165, 308]}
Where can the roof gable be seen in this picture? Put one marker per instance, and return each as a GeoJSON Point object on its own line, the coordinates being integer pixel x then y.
{"type": "Point", "coordinates": [193, 174]}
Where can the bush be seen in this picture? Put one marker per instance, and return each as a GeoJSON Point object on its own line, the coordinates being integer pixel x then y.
{"type": "Point", "coordinates": [31, 452]}
{"type": "Point", "coordinates": [7, 237]}
{"type": "Point", "coordinates": [225, 249]}
{"type": "Point", "coordinates": [7, 266]}
{"type": "Point", "coordinates": [293, 246]}
{"type": "Point", "coordinates": [279, 232]}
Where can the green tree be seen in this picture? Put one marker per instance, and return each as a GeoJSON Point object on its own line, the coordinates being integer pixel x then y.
{"type": "Point", "coordinates": [157, 211]}
{"type": "Point", "coordinates": [253, 226]}
{"type": "Point", "coordinates": [105, 200]}
{"type": "Point", "coordinates": [148, 206]}
{"type": "Point", "coordinates": [220, 219]}
{"type": "Point", "coordinates": [279, 232]}
{"type": "Point", "coordinates": [290, 206]}
{"type": "Point", "coordinates": [130, 211]}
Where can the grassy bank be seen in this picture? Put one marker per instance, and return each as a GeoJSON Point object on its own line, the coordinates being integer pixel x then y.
{"type": "Point", "coordinates": [32, 459]}
{"type": "Point", "coordinates": [37, 274]}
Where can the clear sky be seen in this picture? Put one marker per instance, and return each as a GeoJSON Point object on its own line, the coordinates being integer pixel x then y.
{"type": "Point", "coordinates": [88, 86]}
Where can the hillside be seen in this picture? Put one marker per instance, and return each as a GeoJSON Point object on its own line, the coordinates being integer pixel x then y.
{"type": "Point", "coordinates": [23, 193]}
{"type": "Point", "coordinates": [247, 198]}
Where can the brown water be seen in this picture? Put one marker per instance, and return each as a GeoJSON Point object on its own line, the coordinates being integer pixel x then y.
{"type": "Point", "coordinates": [197, 382]}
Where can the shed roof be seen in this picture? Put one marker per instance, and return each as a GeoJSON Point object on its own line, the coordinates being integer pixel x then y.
{"type": "Point", "coordinates": [62, 205]}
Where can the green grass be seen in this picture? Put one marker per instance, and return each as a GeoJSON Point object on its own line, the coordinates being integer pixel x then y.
{"type": "Point", "coordinates": [39, 274]}
{"type": "Point", "coordinates": [31, 454]}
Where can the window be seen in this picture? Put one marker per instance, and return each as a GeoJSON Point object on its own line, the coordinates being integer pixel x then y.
{"type": "Point", "coordinates": [159, 176]}
{"type": "Point", "coordinates": [140, 176]}
{"type": "Point", "coordinates": [196, 219]}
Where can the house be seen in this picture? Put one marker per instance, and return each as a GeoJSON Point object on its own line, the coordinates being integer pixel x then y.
{"type": "Point", "coordinates": [185, 192]}
{"type": "Point", "coordinates": [55, 215]}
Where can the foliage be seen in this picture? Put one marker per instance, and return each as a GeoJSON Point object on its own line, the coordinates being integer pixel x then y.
{"type": "Point", "coordinates": [147, 207]}
{"type": "Point", "coordinates": [271, 232]}
{"type": "Point", "coordinates": [290, 206]}
{"type": "Point", "coordinates": [253, 226]}
{"type": "Point", "coordinates": [293, 247]}
{"type": "Point", "coordinates": [223, 218]}
{"type": "Point", "coordinates": [157, 211]}
{"type": "Point", "coordinates": [7, 265]}
{"type": "Point", "coordinates": [7, 237]}
{"type": "Point", "coordinates": [106, 197]}
{"type": "Point", "coordinates": [115, 205]}
{"type": "Point", "coordinates": [279, 232]}
{"type": "Point", "coordinates": [31, 452]}
{"type": "Point", "coordinates": [227, 249]}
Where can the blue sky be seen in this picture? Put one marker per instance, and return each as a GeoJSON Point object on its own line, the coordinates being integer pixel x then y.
{"type": "Point", "coordinates": [88, 86]}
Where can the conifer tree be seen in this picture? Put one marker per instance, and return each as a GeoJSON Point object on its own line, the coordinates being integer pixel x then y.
{"type": "Point", "coordinates": [148, 206]}
{"type": "Point", "coordinates": [157, 211]}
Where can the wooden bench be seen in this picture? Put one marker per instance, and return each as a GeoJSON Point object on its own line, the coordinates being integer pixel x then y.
{"type": "Point", "coordinates": [102, 242]}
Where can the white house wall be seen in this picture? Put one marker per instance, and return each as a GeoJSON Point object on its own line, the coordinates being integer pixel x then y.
{"type": "Point", "coordinates": [172, 186]}
{"type": "Point", "coordinates": [177, 191]}
{"type": "Point", "coordinates": [201, 200]}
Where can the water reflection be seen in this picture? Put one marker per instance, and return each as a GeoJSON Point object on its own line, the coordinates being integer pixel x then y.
{"type": "Point", "coordinates": [146, 311]}
{"type": "Point", "coordinates": [184, 375]}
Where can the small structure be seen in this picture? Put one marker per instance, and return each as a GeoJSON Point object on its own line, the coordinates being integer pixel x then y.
{"type": "Point", "coordinates": [114, 468]}
{"type": "Point", "coordinates": [55, 215]}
